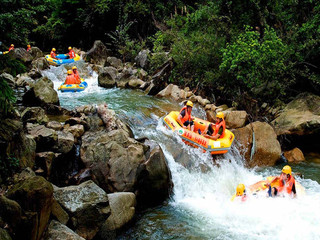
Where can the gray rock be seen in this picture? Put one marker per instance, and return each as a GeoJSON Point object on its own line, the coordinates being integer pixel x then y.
{"type": "Point", "coordinates": [135, 83]}
{"type": "Point", "coordinates": [34, 115]}
{"type": "Point", "coordinates": [142, 58]}
{"type": "Point", "coordinates": [122, 206]}
{"type": "Point", "coordinates": [65, 142]}
{"type": "Point", "coordinates": [115, 62]}
{"type": "Point", "coordinates": [22, 54]}
{"type": "Point", "coordinates": [76, 130]}
{"type": "Point", "coordinates": [87, 205]}
{"type": "Point", "coordinates": [57, 126]}
{"type": "Point", "coordinates": [97, 54]}
{"type": "Point", "coordinates": [40, 64]}
{"type": "Point", "coordinates": [45, 138]}
{"type": "Point", "coordinates": [58, 231]}
{"type": "Point", "coordinates": [235, 119]}
{"type": "Point", "coordinates": [36, 53]}
{"type": "Point", "coordinates": [42, 93]}
{"type": "Point", "coordinates": [59, 213]}
{"type": "Point", "coordinates": [107, 77]}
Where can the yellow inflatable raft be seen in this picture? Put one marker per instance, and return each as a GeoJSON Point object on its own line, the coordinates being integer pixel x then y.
{"type": "Point", "coordinates": [73, 87]}
{"type": "Point", "coordinates": [220, 146]}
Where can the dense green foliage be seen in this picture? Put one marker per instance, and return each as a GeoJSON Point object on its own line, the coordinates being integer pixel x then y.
{"type": "Point", "coordinates": [6, 97]}
{"type": "Point", "coordinates": [266, 49]}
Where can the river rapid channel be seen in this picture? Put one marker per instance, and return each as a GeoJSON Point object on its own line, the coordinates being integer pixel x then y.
{"type": "Point", "coordinates": [200, 206]}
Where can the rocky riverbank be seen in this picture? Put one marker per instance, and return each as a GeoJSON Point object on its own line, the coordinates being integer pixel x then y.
{"type": "Point", "coordinates": [85, 175]}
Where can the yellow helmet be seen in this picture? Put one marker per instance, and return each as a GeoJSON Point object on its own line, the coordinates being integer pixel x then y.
{"type": "Point", "coordinates": [74, 67]}
{"type": "Point", "coordinates": [190, 104]}
{"type": "Point", "coordinates": [220, 115]}
{"type": "Point", "coordinates": [69, 72]}
{"type": "Point", "coordinates": [28, 45]}
{"type": "Point", "coordinates": [53, 49]}
{"type": "Point", "coordinates": [240, 189]}
{"type": "Point", "coordinates": [286, 169]}
{"type": "Point", "coordinates": [11, 45]}
{"type": "Point", "coordinates": [69, 48]}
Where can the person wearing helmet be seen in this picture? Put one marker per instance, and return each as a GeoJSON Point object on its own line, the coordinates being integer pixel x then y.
{"type": "Point", "coordinates": [287, 183]}
{"type": "Point", "coordinates": [11, 47]}
{"type": "Point", "coordinates": [76, 75]}
{"type": "Point", "coordinates": [53, 53]}
{"type": "Point", "coordinates": [28, 47]}
{"type": "Point", "coordinates": [184, 118]}
{"type": "Point", "coordinates": [241, 194]}
{"type": "Point", "coordinates": [215, 131]}
{"type": "Point", "coordinates": [71, 53]}
{"type": "Point", "coordinates": [70, 78]}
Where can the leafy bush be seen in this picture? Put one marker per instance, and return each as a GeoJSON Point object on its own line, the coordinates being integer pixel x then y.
{"type": "Point", "coordinates": [6, 97]}
{"type": "Point", "coordinates": [260, 66]}
{"type": "Point", "coordinates": [8, 166]}
{"type": "Point", "coordinates": [11, 65]}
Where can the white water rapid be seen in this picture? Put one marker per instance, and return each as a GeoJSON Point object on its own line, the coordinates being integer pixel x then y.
{"type": "Point", "coordinates": [200, 207]}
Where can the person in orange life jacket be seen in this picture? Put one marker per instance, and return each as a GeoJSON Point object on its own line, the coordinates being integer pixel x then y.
{"type": "Point", "coordinates": [215, 131]}
{"type": "Point", "coordinates": [184, 118]}
{"type": "Point", "coordinates": [287, 183]}
{"type": "Point", "coordinates": [28, 47]}
{"type": "Point", "coordinates": [241, 194]}
{"type": "Point", "coordinates": [76, 75]}
{"type": "Point", "coordinates": [11, 47]}
{"type": "Point", "coordinates": [70, 78]}
{"type": "Point", "coordinates": [71, 53]}
{"type": "Point", "coordinates": [53, 53]}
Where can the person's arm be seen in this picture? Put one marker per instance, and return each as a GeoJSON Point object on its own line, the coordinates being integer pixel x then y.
{"type": "Point", "coordinates": [181, 115]}
{"type": "Point", "coordinates": [294, 190]}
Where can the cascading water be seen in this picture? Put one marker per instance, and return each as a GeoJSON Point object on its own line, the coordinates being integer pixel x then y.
{"type": "Point", "coordinates": [200, 207]}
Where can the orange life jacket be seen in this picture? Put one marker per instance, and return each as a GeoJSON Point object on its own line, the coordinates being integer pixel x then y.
{"type": "Point", "coordinates": [53, 54]}
{"type": "Point", "coordinates": [76, 76]}
{"type": "Point", "coordinates": [286, 185]}
{"type": "Point", "coordinates": [11, 48]}
{"type": "Point", "coordinates": [29, 48]}
{"type": "Point", "coordinates": [187, 116]}
{"type": "Point", "coordinates": [72, 54]}
{"type": "Point", "coordinates": [217, 127]}
{"type": "Point", "coordinates": [70, 80]}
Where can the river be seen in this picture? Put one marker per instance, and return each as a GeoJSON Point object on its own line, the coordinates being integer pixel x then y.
{"type": "Point", "coordinates": [200, 206]}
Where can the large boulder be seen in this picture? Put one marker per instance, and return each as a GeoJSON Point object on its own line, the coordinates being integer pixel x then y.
{"type": "Point", "coordinates": [64, 143]}
{"type": "Point", "coordinates": [15, 143]}
{"type": "Point", "coordinates": [114, 158]}
{"type": "Point", "coordinates": [122, 205]}
{"type": "Point", "coordinates": [35, 196]}
{"type": "Point", "coordinates": [58, 231]}
{"type": "Point", "coordinates": [97, 54]}
{"type": "Point", "coordinates": [87, 205]}
{"type": "Point", "coordinates": [114, 62]}
{"type": "Point", "coordinates": [76, 130]}
{"type": "Point", "coordinates": [170, 91]}
{"type": "Point", "coordinates": [155, 184]}
{"type": "Point", "coordinates": [45, 138]}
{"type": "Point", "coordinates": [36, 53]}
{"type": "Point", "coordinates": [300, 117]}
{"type": "Point", "coordinates": [24, 80]}
{"type": "Point", "coordinates": [294, 155]}
{"type": "Point", "coordinates": [259, 144]}
{"type": "Point", "coordinates": [107, 77]}
{"type": "Point", "coordinates": [34, 115]}
{"type": "Point", "coordinates": [142, 58]}
{"type": "Point", "coordinates": [40, 64]}
{"type": "Point", "coordinates": [22, 54]}
{"type": "Point", "coordinates": [10, 212]}
{"type": "Point", "coordinates": [125, 76]}
{"type": "Point", "coordinates": [59, 213]}
{"type": "Point", "coordinates": [42, 93]}
{"type": "Point", "coordinates": [235, 119]}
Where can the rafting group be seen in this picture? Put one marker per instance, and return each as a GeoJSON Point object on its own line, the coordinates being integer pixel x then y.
{"type": "Point", "coordinates": [58, 59]}
{"type": "Point", "coordinates": [12, 48]}
{"type": "Point", "coordinates": [210, 137]}
{"type": "Point", "coordinates": [273, 186]}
